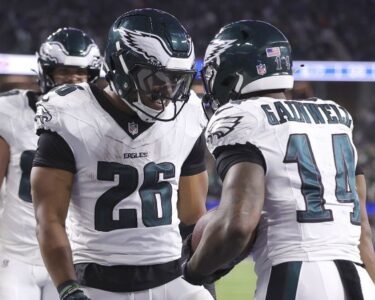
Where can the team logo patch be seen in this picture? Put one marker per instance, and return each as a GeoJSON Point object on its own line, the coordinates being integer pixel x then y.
{"type": "Point", "coordinates": [152, 47]}
{"type": "Point", "coordinates": [42, 115]}
{"type": "Point", "coordinates": [133, 128]}
{"type": "Point", "coordinates": [272, 52]}
{"type": "Point", "coordinates": [261, 69]}
{"type": "Point", "coordinates": [221, 127]}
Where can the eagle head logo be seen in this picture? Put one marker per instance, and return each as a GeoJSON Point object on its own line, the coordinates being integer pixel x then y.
{"type": "Point", "coordinates": [221, 127]}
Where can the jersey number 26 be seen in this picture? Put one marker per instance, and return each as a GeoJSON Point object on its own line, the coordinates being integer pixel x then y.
{"type": "Point", "coordinates": [155, 196]}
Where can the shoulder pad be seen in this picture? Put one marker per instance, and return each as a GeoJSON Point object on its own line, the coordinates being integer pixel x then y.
{"type": "Point", "coordinates": [10, 93]}
{"type": "Point", "coordinates": [193, 111]}
{"type": "Point", "coordinates": [43, 117]}
{"type": "Point", "coordinates": [62, 91]}
{"type": "Point", "coordinates": [13, 101]}
{"type": "Point", "coordinates": [230, 125]}
{"type": "Point", "coordinates": [62, 101]}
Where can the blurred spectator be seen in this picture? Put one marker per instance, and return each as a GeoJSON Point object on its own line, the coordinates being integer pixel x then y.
{"type": "Point", "coordinates": [301, 90]}
{"type": "Point", "coordinates": [318, 30]}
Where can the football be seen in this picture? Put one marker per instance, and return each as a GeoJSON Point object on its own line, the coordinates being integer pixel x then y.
{"type": "Point", "coordinates": [200, 227]}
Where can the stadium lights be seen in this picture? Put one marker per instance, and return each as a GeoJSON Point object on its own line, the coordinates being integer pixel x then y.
{"type": "Point", "coordinates": [329, 70]}
{"type": "Point", "coordinates": [12, 64]}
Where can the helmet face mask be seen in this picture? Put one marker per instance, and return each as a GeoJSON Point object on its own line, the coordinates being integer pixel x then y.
{"type": "Point", "coordinates": [245, 58]}
{"type": "Point", "coordinates": [69, 75]}
{"type": "Point", "coordinates": [209, 103]}
{"type": "Point", "coordinates": [149, 61]}
{"type": "Point", "coordinates": [68, 48]}
{"type": "Point", "coordinates": [162, 84]}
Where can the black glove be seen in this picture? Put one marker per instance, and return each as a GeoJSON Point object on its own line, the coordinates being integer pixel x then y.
{"type": "Point", "coordinates": [195, 278]}
{"type": "Point", "coordinates": [187, 251]}
{"type": "Point", "coordinates": [210, 287]}
{"type": "Point", "coordinates": [71, 290]}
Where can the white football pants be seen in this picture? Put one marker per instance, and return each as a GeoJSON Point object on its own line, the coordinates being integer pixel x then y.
{"type": "Point", "coordinates": [177, 289]}
{"type": "Point", "coordinates": [318, 280]}
{"type": "Point", "coordinates": [21, 281]}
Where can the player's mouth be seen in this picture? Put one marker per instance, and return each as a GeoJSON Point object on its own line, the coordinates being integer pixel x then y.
{"type": "Point", "coordinates": [158, 104]}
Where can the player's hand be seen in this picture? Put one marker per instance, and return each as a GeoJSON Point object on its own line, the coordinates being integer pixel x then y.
{"type": "Point", "coordinates": [195, 278]}
{"type": "Point", "coordinates": [198, 279]}
{"type": "Point", "coordinates": [71, 290]}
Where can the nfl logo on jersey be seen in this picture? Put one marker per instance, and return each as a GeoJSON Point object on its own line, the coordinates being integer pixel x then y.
{"type": "Point", "coordinates": [133, 128]}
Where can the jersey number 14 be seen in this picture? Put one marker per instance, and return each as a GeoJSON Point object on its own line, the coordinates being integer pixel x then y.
{"type": "Point", "coordinates": [299, 151]}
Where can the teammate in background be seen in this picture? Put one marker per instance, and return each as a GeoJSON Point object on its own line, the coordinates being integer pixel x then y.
{"type": "Point", "coordinates": [366, 246]}
{"type": "Point", "coordinates": [131, 160]}
{"type": "Point", "coordinates": [287, 166]}
{"type": "Point", "coordinates": [67, 56]}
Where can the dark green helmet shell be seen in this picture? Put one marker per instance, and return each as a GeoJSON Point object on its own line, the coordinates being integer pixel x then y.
{"type": "Point", "coordinates": [246, 57]}
{"type": "Point", "coordinates": [69, 47]}
{"type": "Point", "coordinates": [149, 38]}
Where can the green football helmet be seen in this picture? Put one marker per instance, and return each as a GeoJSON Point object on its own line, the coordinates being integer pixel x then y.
{"type": "Point", "coordinates": [244, 58]}
{"type": "Point", "coordinates": [149, 63]}
{"type": "Point", "coordinates": [68, 47]}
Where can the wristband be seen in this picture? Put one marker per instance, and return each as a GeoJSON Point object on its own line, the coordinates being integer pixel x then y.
{"type": "Point", "coordinates": [189, 277]}
{"type": "Point", "coordinates": [67, 288]}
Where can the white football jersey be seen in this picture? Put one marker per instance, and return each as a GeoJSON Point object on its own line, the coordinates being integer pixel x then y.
{"type": "Point", "coordinates": [17, 223]}
{"type": "Point", "coordinates": [311, 208]}
{"type": "Point", "coordinates": [123, 208]}
{"type": "Point", "coordinates": [2, 188]}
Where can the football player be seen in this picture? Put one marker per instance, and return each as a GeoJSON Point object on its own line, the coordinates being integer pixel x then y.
{"type": "Point", "coordinates": [366, 247]}
{"type": "Point", "coordinates": [131, 159]}
{"type": "Point", "coordinates": [67, 55]}
{"type": "Point", "coordinates": [288, 169]}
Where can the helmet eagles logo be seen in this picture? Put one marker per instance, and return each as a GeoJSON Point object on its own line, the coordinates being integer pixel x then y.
{"type": "Point", "coordinates": [150, 46]}
{"type": "Point", "coordinates": [46, 55]}
{"type": "Point", "coordinates": [215, 49]}
{"type": "Point", "coordinates": [221, 127]}
{"type": "Point", "coordinates": [42, 115]}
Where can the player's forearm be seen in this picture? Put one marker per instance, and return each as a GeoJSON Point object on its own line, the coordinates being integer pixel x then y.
{"type": "Point", "coordinates": [367, 253]}
{"type": "Point", "coordinates": [192, 197]}
{"type": "Point", "coordinates": [368, 259]}
{"type": "Point", "coordinates": [221, 243]}
{"type": "Point", "coordinates": [4, 159]}
{"type": "Point", "coordinates": [56, 252]}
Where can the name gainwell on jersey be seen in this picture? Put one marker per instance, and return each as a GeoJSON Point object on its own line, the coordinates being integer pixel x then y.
{"type": "Point", "coordinates": [306, 112]}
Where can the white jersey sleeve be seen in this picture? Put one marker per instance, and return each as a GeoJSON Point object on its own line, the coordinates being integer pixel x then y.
{"type": "Point", "coordinates": [311, 209]}
{"type": "Point", "coordinates": [17, 223]}
{"type": "Point", "coordinates": [123, 208]}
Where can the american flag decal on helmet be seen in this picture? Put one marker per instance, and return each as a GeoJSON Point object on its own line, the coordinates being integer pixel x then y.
{"type": "Point", "coordinates": [272, 52]}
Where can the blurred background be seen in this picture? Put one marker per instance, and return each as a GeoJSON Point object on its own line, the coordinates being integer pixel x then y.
{"type": "Point", "coordinates": [334, 41]}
